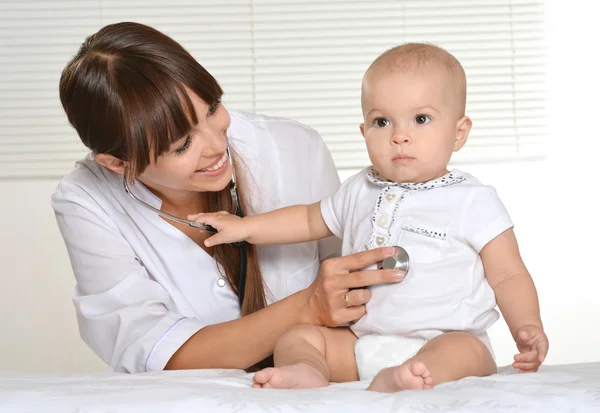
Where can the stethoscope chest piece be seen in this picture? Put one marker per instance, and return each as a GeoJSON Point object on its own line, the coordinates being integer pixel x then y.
{"type": "Point", "coordinates": [399, 261]}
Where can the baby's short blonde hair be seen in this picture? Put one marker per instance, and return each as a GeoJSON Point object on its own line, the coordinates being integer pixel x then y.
{"type": "Point", "coordinates": [421, 56]}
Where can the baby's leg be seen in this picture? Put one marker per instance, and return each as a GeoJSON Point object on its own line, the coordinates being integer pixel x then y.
{"type": "Point", "coordinates": [310, 356]}
{"type": "Point", "coordinates": [447, 357]}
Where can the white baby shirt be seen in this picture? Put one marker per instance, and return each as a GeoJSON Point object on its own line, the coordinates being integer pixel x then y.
{"type": "Point", "coordinates": [443, 225]}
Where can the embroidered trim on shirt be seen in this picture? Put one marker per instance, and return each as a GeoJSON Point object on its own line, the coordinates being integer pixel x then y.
{"type": "Point", "coordinates": [382, 237]}
{"type": "Point", "coordinates": [426, 232]}
{"type": "Point", "coordinates": [382, 230]}
{"type": "Point", "coordinates": [449, 179]}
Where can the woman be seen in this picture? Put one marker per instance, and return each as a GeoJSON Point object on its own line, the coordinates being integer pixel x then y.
{"type": "Point", "coordinates": [149, 294]}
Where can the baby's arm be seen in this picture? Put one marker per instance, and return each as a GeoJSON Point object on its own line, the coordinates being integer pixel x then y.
{"type": "Point", "coordinates": [517, 299]}
{"type": "Point", "coordinates": [298, 223]}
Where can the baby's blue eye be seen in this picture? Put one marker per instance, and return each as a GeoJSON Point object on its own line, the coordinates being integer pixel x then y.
{"type": "Point", "coordinates": [422, 119]}
{"type": "Point", "coordinates": [381, 122]}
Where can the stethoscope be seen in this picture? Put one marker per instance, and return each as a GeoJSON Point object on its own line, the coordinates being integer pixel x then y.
{"type": "Point", "coordinates": [399, 261]}
{"type": "Point", "coordinates": [203, 227]}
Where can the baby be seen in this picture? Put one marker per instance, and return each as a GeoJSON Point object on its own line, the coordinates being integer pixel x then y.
{"type": "Point", "coordinates": [464, 259]}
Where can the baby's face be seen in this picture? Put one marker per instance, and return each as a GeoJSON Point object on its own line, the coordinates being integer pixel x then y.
{"type": "Point", "coordinates": [411, 123]}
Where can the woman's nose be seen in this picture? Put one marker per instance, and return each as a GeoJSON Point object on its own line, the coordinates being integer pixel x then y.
{"type": "Point", "coordinates": [215, 141]}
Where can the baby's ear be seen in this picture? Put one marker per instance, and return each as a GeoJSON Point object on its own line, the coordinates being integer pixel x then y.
{"type": "Point", "coordinates": [362, 129]}
{"type": "Point", "coordinates": [463, 127]}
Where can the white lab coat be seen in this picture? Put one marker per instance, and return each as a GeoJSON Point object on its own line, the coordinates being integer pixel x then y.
{"type": "Point", "coordinates": [143, 287]}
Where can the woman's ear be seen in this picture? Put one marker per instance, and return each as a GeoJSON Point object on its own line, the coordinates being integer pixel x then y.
{"type": "Point", "coordinates": [112, 163]}
{"type": "Point", "coordinates": [463, 127]}
{"type": "Point", "coordinates": [362, 129]}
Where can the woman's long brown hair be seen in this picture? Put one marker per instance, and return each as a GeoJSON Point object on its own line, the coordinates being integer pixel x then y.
{"type": "Point", "coordinates": [229, 256]}
{"type": "Point", "coordinates": [124, 92]}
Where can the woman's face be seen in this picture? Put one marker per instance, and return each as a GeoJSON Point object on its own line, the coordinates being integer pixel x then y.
{"type": "Point", "coordinates": [197, 162]}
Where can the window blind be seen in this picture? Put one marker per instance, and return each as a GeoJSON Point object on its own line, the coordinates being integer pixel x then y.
{"type": "Point", "coordinates": [298, 59]}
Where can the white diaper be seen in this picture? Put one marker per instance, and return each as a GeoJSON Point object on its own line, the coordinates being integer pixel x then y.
{"type": "Point", "coordinates": [376, 352]}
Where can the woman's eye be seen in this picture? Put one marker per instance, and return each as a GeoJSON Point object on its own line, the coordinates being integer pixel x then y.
{"type": "Point", "coordinates": [422, 119]}
{"type": "Point", "coordinates": [381, 122]}
{"type": "Point", "coordinates": [213, 108]}
{"type": "Point", "coordinates": [185, 146]}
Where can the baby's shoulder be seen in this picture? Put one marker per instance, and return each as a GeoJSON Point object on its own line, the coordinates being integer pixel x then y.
{"type": "Point", "coordinates": [464, 192]}
{"type": "Point", "coordinates": [468, 185]}
{"type": "Point", "coordinates": [473, 196]}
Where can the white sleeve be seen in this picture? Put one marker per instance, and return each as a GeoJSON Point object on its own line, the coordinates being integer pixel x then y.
{"type": "Point", "coordinates": [123, 315]}
{"type": "Point", "coordinates": [325, 181]}
{"type": "Point", "coordinates": [334, 207]}
{"type": "Point", "coordinates": [485, 217]}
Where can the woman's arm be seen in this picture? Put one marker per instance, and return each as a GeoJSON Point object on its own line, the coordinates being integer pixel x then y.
{"type": "Point", "coordinates": [240, 343]}
{"type": "Point", "coordinates": [243, 342]}
{"type": "Point", "coordinates": [130, 320]}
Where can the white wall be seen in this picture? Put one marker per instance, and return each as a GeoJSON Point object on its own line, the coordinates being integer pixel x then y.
{"type": "Point", "coordinates": [37, 318]}
{"type": "Point", "coordinates": [551, 202]}
{"type": "Point", "coordinates": [555, 204]}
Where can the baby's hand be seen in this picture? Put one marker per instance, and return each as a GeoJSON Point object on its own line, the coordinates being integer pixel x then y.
{"type": "Point", "coordinates": [231, 227]}
{"type": "Point", "coordinates": [533, 347]}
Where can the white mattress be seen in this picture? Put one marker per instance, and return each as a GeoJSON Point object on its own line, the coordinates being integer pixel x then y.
{"type": "Point", "coordinates": [565, 388]}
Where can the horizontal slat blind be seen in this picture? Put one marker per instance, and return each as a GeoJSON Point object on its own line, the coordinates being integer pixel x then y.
{"type": "Point", "coordinates": [298, 59]}
{"type": "Point", "coordinates": [311, 55]}
{"type": "Point", "coordinates": [37, 38]}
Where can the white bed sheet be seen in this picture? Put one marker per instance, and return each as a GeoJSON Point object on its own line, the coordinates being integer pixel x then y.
{"type": "Point", "coordinates": [561, 388]}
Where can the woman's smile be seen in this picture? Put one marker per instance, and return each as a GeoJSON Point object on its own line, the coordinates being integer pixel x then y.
{"type": "Point", "coordinates": [216, 168]}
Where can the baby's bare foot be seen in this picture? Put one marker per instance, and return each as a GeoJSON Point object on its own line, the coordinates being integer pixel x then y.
{"type": "Point", "coordinates": [412, 375]}
{"type": "Point", "coordinates": [295, 376]}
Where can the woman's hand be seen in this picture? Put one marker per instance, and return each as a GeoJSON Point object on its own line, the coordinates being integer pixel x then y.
{"type": "Point", "coordinates": [338, 294]}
